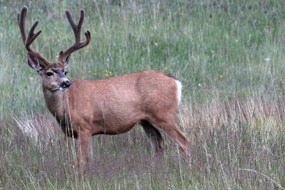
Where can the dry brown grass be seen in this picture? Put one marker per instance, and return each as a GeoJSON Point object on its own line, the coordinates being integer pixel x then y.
{"type": "Point", "coordinates": [235, 144]}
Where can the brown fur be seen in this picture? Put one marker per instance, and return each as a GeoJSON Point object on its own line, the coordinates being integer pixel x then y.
{"type": "Point", "coordinates": [107, 106]}
{"type": "Point", "coordinates": [115, 105]}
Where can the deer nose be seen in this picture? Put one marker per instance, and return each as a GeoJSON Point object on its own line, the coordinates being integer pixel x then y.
{"type": "Point", "coordinates": [65, 84]}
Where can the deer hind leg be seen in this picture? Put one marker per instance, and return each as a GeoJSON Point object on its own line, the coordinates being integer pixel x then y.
{"type": "Point", "coordinates": [154, 134]}
{"type": "Point", "coordinates": [169, 127]}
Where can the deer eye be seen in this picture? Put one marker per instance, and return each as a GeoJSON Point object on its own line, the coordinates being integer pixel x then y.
{"type": "Point", "coordinates": [65, 72]}
{"type": "Point", "coordinates": [49, 73]}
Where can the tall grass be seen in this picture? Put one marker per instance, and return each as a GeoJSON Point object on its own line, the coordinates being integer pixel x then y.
{"type": "Point", "coordinates": [229, 56]}
{"type": "Point", "coordinates": [235, 144]}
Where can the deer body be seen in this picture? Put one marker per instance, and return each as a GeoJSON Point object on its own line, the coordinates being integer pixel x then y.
{"type": "Point", "coordinates": [115, 105]}
{"type": "Point", "coordinates": [84, 108]}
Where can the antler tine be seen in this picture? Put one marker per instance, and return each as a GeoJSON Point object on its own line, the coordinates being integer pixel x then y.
{"type": "Point", "coordinates": [63, 55]}
{"type": "Point", "coordinates": [21, 17]}
{"type": "Point", "coordinates": [76, 28]}
{"type": "Point", "coordinates": [21, 22]}
{"type": "Point", "coordinates": [32, 36]}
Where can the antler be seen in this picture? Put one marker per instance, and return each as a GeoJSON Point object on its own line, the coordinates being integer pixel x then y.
{"type": "Point", "coordinates": [63, 55]}
{"type": "Point", "coordinates": [31, 35]}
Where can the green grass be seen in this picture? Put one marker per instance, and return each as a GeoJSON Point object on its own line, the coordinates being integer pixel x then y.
{"type": "Point", "coordinates": [229, 56]}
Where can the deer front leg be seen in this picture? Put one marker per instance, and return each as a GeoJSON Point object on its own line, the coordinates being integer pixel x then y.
{"type": "Point", "coordinates": [84, 144]}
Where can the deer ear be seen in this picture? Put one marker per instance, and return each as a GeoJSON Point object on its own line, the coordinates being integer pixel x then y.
{"type": "Point", "coordinates": [34, 63]}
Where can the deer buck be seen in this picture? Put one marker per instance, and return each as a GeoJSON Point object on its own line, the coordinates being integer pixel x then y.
{"type": "Point", "coordinates": [84, 108]}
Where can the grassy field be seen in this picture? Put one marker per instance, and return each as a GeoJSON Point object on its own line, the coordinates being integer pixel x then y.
{"type": "Point", "coordinates": [229, 56]}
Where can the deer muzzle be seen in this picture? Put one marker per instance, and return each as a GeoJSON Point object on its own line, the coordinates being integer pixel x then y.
{"type": "Point", "coordinates": [65, 84]}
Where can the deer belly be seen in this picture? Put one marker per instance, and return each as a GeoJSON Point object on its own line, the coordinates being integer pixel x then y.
{"type": "Point", "coordinates": [113, 127]}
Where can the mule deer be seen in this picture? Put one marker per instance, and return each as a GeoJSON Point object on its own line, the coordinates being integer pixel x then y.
{"type": "Point", "coordinates": [84, 108]}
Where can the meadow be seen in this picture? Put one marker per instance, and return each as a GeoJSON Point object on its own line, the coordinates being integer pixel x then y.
{"type": "Point", "coordinates": [229, 56]}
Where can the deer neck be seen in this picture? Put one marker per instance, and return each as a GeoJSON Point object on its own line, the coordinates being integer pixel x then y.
{"type": "Point", "coordinates": [57, 103]}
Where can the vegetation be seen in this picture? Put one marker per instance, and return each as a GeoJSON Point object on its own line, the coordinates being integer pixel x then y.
{"type": "Point", "coordinates": [229, 56]}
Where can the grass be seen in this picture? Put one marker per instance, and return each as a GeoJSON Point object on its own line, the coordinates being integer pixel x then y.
{"type": "Point", "coordinates": [235, 144]}
{"type": "Point", "coordinates": [229, 56]}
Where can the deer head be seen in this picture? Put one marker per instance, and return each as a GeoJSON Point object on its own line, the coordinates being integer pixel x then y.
{"type": "Point", "coordinates": [53, 74]}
